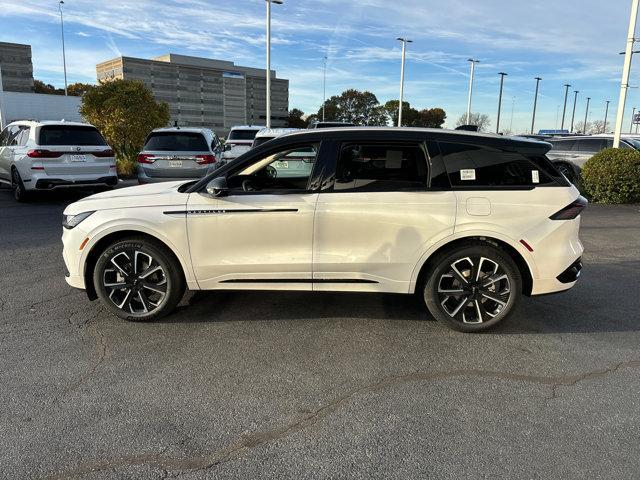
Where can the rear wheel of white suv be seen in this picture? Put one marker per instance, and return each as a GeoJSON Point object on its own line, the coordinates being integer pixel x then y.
{"type": "Point", "coordinates": [138, 279]}
{"type": "Point", "coordinates": [473, 287]}
{"type": "Point", "coordinates": [20, 194]}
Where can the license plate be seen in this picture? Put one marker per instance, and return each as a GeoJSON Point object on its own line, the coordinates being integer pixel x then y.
{"type": "Point", "coordinates": [78, 158]}
{"type": "Point", "coordinates": [175, 163]}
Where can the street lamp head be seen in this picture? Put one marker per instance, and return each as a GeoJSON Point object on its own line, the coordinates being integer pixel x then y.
{"type": "Point", "coordinates": [538, 78]}
{"type": "Point", "coordinates": [406, 40]}
{"type": "Point", "coordinates": [503, 74]}
{"type": "Point", "coordinates": [473, 60]}
{"type": "Point", "coordinates": [277, 2]}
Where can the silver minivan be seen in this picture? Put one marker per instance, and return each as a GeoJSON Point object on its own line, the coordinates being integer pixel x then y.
{"type": "Point", "coordinates": [178, 154]}
{"type": "Point", "coordinates": [569, 154]}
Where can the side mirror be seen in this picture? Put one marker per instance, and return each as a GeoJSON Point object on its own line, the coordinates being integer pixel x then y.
{"type": "Point", "coordinates": [218, 187]}
{"type": "Point", "coordinates": [227, 147]}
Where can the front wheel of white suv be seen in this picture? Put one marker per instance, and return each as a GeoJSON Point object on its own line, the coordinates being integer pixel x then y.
{"type": "Point", "coordinates": [138, 279]}
{"type": "Point", "coordinates": [473, 287]}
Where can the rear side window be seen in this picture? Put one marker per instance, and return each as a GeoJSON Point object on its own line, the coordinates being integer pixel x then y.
{"type": "Point", "coordinates": [475, 166]}
{"type": "Point", "coordinates": [590, 145]}
{"type": "Point", "coordinates": [23, 137]}
{"type": "Point", "coordinates": [53, 135]}
{"type": "Point", "coordinates": [242, 134]}
{"type": "Point", "coordinates": [563, 145]}
{"type": "Point", "coordinates": [176, 142]}
{"type": "Point", "coordinates": [381, 167]}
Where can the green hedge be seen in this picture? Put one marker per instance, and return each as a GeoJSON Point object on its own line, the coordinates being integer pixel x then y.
{"type": "Point", "coordinates": [613, 176]}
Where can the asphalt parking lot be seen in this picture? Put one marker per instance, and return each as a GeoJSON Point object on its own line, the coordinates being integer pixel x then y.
{"type": "Point", "coordinates": [298, 385]}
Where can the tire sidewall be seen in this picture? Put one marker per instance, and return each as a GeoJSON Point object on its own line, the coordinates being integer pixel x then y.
{"type": "Point", "coordinates": [19, 192]}
{"type": "Point", "coordinates": [175, 286]}
{"type": "Point", "coordinates": [442, 264]}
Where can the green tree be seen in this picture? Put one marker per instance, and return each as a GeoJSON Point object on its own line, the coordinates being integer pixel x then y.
{"type": "Point", "coordinates": [40, 87]}
{"type": "Point", "coordinates": [360, 108]}
{"type": "Point", "coordinates": [296, 120]}
{"type": "Point", "coordinates": [125, 112]}
{"type": "Point", "coordinates": [432, 117]}
{"type": "Point", "coordinates": [78, 89]}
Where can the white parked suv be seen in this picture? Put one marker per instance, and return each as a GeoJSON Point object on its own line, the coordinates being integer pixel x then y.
{"type": "Point", "coordinates": [47, 155]}
{"type": "Point", "coordinates": [239, 141]}
{"type": "Point", "coordinates": [469, 222]}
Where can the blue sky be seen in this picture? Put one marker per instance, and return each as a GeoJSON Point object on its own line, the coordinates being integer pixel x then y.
{"type": "Point", "coordinates": [570, 41]}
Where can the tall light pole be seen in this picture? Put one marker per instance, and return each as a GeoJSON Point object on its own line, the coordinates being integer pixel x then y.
{"type": "Point", "coordinates": [64, 57]}
{"type": "Point", "coordinates": [575, 101]}
{"type": "Point", "coordinates": [624, 84]}
{"type": "Point", "coordinates": [535, 104]}
{"type": "Point", "coordinates": [404, 51]}
{"type": "Point", "coordinates": [268, 86]}
{"type": "Point", "coordinates": [324, 84]}
{"type": "Point", "coordinates": [564, 110]}
{"type": "Point", "coordinates": [606, 114]}
{"type": "Point", "coordinates": [502, 75]}
{"type": "Point", "coordinates": [473, 69]}
{"type": "Point", "coordinates": [586, 115]}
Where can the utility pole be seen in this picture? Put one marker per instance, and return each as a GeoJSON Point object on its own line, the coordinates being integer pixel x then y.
{"type": "Point", "coordinates": [624, 84]}
{"type": "Point", "coordinates": [64, 57]}
{"type": "Point", "coordinates": [586, 116]}
{"type": "Point", "coordinates": [324, 85]}
{"type": "Point", "coordinates": [473, 69]}
{"type": "Point", "coordinates": [268, 85]}
{"type": "Point", "coordinates": [564, 110]}
{"type": "Point", "coordinates": [404, 50]}
{"type": "Point", "coordinates": [575, 101]}
{"type": "Point", "coordinates": [606, 113]}
{"type": "Point", "coordinates": [535, 104]}
{"type": "Point", "coordinates": [502, 75]}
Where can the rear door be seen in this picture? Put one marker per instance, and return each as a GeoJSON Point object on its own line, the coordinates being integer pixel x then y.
{"type": "Point", "coordinates": [378, 214]}
{"type": "Point", "coordinates": [73, 150]}
{"type": "Point", "coordinates": [6, 152]}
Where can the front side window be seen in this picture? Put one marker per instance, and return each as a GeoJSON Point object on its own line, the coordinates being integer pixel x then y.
{"type": "Point", "coordinates": [475, 166]}
{"type": "Point", "coordinates": [381, 167]}
{"type": "Point", "coordinates": [176, 142]}
{"type": "Point", "coordinates": [284, 170]}
{"type": "Point", "coordinates": [56, 135]}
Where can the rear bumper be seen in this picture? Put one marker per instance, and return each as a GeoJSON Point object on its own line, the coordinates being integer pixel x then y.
{"type": "Point", "coordinates": [143, 177]}
{"type": "Point", "coordinates": [51, 183]}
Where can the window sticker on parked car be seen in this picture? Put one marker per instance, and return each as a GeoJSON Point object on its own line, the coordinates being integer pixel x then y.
{"type": "Point", "coordinates": [535, 176]}
{"type": "Point", "coordinates": [468, 174]}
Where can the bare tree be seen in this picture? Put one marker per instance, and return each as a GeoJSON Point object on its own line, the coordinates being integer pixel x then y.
{"type": "Point", "coordinates": [481, 120]}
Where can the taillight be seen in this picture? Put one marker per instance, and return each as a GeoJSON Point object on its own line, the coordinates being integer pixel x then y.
{"type": "Point", "coordinates": [205, 159]}
{"type": "Point", "coordinates": [572, 210]}
{"type": "Point", "coordinates": [39, 153]}
{"type": "Point", "coordinates": [145, 158]}
{"type": "Point", "coordinates": [103, 153]}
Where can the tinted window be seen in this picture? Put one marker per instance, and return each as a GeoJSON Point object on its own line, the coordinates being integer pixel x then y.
{"type": "Point", "coordinates": [70, 135]}
{"type": "Point", "coordinates": [4, 136]}
{"type": "Point", "coordinates": [474, 166]}
{"type": "Point", "coordinates": [176, 142]}
{"type": "Point", "coordinates": [564, 145]}
{"type": "Point", "coordinates": [381, 167]}
{"type": "Point", "coordinates": [592, 145]}
{"type": "Point", "coordinates": [242, 134]}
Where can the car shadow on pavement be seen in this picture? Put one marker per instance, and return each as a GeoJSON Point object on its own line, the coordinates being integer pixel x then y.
{"type": "Point", "coordinates": [596, 304]}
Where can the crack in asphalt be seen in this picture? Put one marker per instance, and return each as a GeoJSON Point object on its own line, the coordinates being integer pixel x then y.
{"type": "Point", "coordinates": [204, 462]}
{"type": "Point", "coordinates": [102, 354]}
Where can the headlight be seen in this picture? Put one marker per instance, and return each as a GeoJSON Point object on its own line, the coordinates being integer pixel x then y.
{"type": "Point", "coordinates": [70, 221]}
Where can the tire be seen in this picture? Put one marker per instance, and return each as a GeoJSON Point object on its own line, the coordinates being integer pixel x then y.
{"type": "Point", "coordinates": [20, 193]}
{"type": "Point", "coordinates": [490, 299]}
{"type": "Point", "coordinates": [138, 279]}
{"type": "Point", "coordinates": [568, 171]}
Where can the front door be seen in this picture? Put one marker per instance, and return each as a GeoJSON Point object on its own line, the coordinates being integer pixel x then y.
{"type": "Point", "coordinates": [379, 217]}
{"type": "Point", "coordinates": [260, 234]}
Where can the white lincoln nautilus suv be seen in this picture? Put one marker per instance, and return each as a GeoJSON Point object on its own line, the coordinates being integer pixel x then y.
{"type": "Point", "coordinates": [469, 222]}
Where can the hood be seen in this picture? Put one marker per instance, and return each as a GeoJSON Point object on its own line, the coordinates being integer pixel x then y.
{"type": "Point", "coordinates": [153, 194]}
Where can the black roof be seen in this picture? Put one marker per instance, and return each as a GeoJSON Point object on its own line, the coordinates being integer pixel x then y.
{"type": "Point", "coordinates": [522, 144]}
